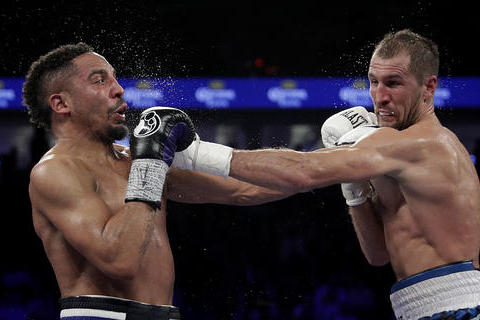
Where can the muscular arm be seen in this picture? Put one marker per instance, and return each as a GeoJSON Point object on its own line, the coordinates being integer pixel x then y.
{"type": "Point", "coordinates": [382, 153]}
{"type": "Point", "coordinates": [369, 230]}
{"type": "Point", "coordinates": [64, 191]}
{"type": "Point", "coordinates": [196, 187]}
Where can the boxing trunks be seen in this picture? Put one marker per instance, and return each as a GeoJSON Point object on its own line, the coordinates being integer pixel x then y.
{"type": "Point", "coordinates": [447, 292]}
{"type": "Point", "coordinates": [111, 308]}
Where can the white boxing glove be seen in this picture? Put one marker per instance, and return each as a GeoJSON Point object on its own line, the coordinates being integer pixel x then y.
{"type": "Point", "coordinates": [205, 157]}
{"type": "Point", "coordinates": [345, 128]}
{"type": "Point", "coordinates": [355, 135]}
{"type": "Point", "coordinates": [356, 193]}
{"type": "Point", "coordinates": [344, 121]}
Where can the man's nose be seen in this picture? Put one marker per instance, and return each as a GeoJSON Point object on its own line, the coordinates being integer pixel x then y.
{"type": "Point", "coordinates": [117, 89]}
{"type": "Point", "coordinates": [381, 94]}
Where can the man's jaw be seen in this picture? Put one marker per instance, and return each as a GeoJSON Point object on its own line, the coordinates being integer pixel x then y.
{"type": "Point", "coordinates": [386, 117]}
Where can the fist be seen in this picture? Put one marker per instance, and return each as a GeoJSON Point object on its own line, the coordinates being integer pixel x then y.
{"type": "Point", "coordinates": [160, 132]}
{"type": "Point", "coordinates": [344, 121]}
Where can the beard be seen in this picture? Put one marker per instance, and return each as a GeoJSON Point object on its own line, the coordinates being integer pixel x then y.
{"type": "Point", "coordinates": [410, 117]}
{"type": "Point", "coordinates": [117, 132]}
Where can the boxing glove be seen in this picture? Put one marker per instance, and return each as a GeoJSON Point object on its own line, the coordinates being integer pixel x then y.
{"type": "Point", "coordinates": [344, 128]}
{"type": "Point", "coordinates": [356, 193]}
{"type": "Point", "coordinates": [355, 135]}
{"type": "Point", "coordinates": [160, 132]}
{"type": "Point", "coordinates": [205, 157]}
{"type": "Point", "coordinates": [344, 121]}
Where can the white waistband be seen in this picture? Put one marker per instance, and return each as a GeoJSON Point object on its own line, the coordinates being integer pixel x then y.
{"type": "Point", "coordinates": [449, 292]}
{"type": "Point", "coordinates": [123, 299]}
{"type": "Point", "coordinates": [85, 312]}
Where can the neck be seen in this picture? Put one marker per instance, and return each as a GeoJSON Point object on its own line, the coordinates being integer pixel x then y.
{"type": "Point", "coordinates": [83, 143]}
{"type": "Point", "coordinates": [423, 112]}
{"type": "Point", "coordinates": [426, 115]}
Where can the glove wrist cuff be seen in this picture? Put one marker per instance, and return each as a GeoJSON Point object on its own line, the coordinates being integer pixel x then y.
{"type": "Point", "coordinates": [213, 158]}
{"type": "Point", "coordinates": [145, 182]}
{"type": "Point", "coordinates": [356, 193]}
{"type": "Point", "coordinates": [208, 157]}
{"type": "Point", "coordinates": [357, 201]}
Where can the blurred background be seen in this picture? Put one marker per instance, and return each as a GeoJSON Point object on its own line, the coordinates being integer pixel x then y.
{"type": "Point", "coordinates": [297, 258]}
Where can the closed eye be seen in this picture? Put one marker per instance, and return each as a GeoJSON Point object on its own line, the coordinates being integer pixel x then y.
{"type": "Point", "coordinates": [100, 81]}
{"type": "Point", "coordinates": [98, 76]}
{"type": "Point", "coordinates": [393, 83]}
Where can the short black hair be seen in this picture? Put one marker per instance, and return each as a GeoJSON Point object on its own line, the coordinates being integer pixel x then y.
{"type": "Point", "coordinates": [42, 74]}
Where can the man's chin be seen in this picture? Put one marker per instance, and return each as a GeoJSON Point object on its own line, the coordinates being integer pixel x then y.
{"type": "Point", "coordinates": [117, 132]}
{"type": "Point", "coordinates": [382, 124]}
{"type": "Point", "coordinates": [387, 124]}
{"type": "Point", "coordinates": [393, 125]}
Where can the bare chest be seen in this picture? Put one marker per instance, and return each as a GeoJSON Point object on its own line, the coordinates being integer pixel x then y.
{"type": "Point", "coordinates": [111, 184]}
{"type": "Point", "coordinates": [389, 197]}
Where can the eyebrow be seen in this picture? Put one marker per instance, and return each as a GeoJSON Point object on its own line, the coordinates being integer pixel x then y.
{"type": "Point", "coordinates": [102, 72]}
{"type": "Point", "coordinates": [392, 76]}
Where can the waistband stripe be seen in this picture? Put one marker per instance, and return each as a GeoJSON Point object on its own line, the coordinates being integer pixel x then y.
{"type": "Point", "coordinates": [433, 273]}
{"type": "Point", "coordinates": [70, 314]}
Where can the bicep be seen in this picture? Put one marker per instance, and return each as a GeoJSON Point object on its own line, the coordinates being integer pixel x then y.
{"type": "Point", "coordinates": [386, 152]}
{"type": "Point", "coordinates": [351, 164]}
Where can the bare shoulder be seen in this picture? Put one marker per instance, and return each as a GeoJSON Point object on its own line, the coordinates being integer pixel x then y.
{"type": "Point", "coordinates": [52, 165]}
{"type": "Point", "coordinates": [56, 176]}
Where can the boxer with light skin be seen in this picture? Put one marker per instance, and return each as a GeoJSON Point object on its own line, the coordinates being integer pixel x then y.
{"type": "Point", "coordinates": [413, 191]}
{"type": "Point", "coordinates": [98, 206]}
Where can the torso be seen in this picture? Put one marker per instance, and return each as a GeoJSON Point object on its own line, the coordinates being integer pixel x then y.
{"type": "Point", "coordinates": [76, 276]}
{"type": "Point", "coordinates": [431, 211]}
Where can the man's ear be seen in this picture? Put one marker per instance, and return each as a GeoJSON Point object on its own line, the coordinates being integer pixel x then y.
{"type": "Point", "coordinates": [431, 85]}
{"type": "Point", "coordinates": [59, 103]}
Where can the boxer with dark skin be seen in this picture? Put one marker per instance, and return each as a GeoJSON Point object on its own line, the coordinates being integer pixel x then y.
{"type": "Point", "coordinates": [97, 243]}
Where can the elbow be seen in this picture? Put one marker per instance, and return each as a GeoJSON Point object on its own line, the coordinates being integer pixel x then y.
{"type": "Point", "coordinates": [250, 196]}
{"type": "Point", "coordinates": [244, 200]}
{"type": "Point", "coordinates": [378, 260]}
{"type": "Point", "coordinates": [121, 269]}
{"type": "Point", "coordinates": [301, 183]}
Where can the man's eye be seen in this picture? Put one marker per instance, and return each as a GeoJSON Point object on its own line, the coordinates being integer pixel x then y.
{"type": "Point", "coordinates": [100, 81]}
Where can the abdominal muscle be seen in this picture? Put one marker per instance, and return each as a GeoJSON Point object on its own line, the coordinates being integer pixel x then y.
{"type": "Point", "coordinates": [423, 235]}
{"type": "Point", "coordinates": [152, 284]}
{"type": "Point", "coordinates": [409, 249]}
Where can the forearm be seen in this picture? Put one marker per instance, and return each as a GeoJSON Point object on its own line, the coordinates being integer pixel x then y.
{"type": "Point", "coordinates": [187, 186]}
{"type": "Point", "coordinates": [370, 233]}
{"type": "Point", "coordinates": [285, 170]}
{"type": "Point", "coordinates": [292, 171]}
{"type": "Point", "coordinates": [252, 195]}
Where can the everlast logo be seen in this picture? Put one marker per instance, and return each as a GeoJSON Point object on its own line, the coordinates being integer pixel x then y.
{"type": "Point", "coordinates": [354, 117]}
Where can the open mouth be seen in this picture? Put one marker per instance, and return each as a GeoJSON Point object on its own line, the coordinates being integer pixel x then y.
{"type": "Point", "coordinates": [119, 114]}
{"type": "Point", "coordinates": [385, 112]}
